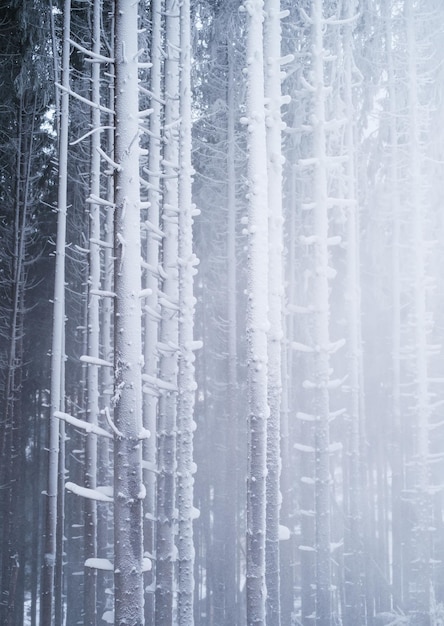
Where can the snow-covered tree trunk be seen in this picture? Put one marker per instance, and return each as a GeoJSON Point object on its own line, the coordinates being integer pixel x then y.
{"type": "Point", "coordinates": [321, 324]}
{"type": "Point", "coordinates": [57, 350]}
{"type": "Point", "coordinates": [128, 486]}
{"type": "Point", "coordinates": [353, 557]}
{"type": "Point", "coordinates": [231, 576]}
{"type": "Point", "coordinates": [186, 378]}
{"type": "Point", "coordinates": [272, 63]}
{"type": "Point", "coordinates": [257, 315]}
{"type": "Point", "coordinates": [420, 607]}
{"type": "Point", "coordinates": [168, 345]}
{"type": "Point", "coordinates": [397, 471]}
{"type": "Point", "coordinates": [93, 330]}
{"type": "Point", "coordinates": [152, 280]}
{"type": "Point", "coordinates": [104, 452]}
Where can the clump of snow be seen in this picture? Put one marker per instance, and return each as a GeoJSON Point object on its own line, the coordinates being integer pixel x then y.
{"type": "Point", "coordinates": [108, 617]}
{"type": "Point", "coordinates": [147, 565]}
{"type": "Point", "coordinates": [284, 533]}
{"type": "Point", "coordinates": [91, 494]}
{"type": "Point", "coordinates": [102, 564]}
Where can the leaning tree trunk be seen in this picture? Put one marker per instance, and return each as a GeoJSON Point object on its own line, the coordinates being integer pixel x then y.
{"type": "Point", "coordinates": [128, 486]}
{"type": "Point", "coordinates": [257, 319]}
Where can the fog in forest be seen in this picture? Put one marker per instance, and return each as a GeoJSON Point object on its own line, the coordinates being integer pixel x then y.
{"type": "Point", "coordinates": [221, 327]}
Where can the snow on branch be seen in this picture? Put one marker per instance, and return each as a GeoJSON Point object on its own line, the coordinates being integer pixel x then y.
{"type": "Point", "coordinates": [283, 14]}
{"type": "Point", "coordinates": [145, 293]}
{"type": "Point", "coordinates": [93, 199]}
{"type": "Point", "coordinates": [145, 113]}
{"type": "Point", "coordinates": [334, 241]}
{"type": "Point", "coordinates": [333, 347]}
{"type": "Point", "coordinates": [108, 159]}
{"type": "Point", "coordinates": [332, 21]}
{"type": "Point", "coordinates": [153, 96]}
{"type": "Point", "coordinates": [157, 383]}
{"type": "Point", "coordinates": [111, 423]}
{"type": "Point", "coordinates": [102, 294]}
{"type": "Point", "coordinates": [152, 313]}
{"type": "Point", "coordinates": [288, 58]}
{"type": "Point", "coordinates": [90, 53]}
{"type": "Point", "coordinates": [154, 229]}
{"type": "Point", "coordinates": [334, 414]}
{"type": "Point", "coordinates": [308, 241]}
{"type": "Point", "coordinates": [167, 304]}
{"type": "Point", "coordinates": [337, 382]}
{"type": "Point", "coordinates": [305, 417]}
{"type": "Point", "coordinates": [308, 86]}
{"type": "Point", "coordinates": [101, 243]}
{"type": "Point", "coordinates": [307, 19]}
{"type": "Point", "coordinates": [92, 360]}
{"type": "Point", "coordinates": [339, 202]}
{"type": "Point", "coordinates": [303, 448]}
{"type": "Point", "coordinates": [197, 344]}
{"type": "Point", "coordinates": [78, 423]}
{"type": "Point", "coordinates": [309, 384]}
{"type": "Point", "coordinates": [84, 100]}
{"type": "Point", "coordinates": [89, 133]}
{"type": "Point", "coordinates": [102, 564]}
{"type": "Point", "coordinates": [85, 492]}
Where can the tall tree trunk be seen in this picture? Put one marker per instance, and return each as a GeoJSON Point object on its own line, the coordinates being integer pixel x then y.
{"type": "Point", "coordinates": [321, 326]}
{"type": "Point", "coordinates": [353, 557]}
{"type": "Point", "coordinates": [168, 345]}
{"type": "Point", "coordinates": [152, 280]}
{"type": "Point", "coordinates": [93, 330]}
{"type": "Point", "coordinates": [57, 351]}
{"type": "Point", "coordinates": [272, 55]}
{"type": "Point", "coordinates": [186, 378]}
{"type": "Point", "coordinates": [128, 486]}
{"type": "Point", "coordinates": [420, 606]}
{"type": "Point", "coordinates": [397, 469]}
{"type": "Point", "coordinates": [104, 452]}
{"type": "Point", "coordinates": [257, 319]}
{"type": "Point", "coordinates": [230, 569]}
